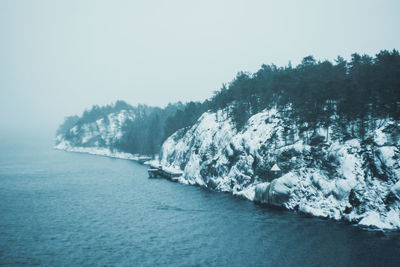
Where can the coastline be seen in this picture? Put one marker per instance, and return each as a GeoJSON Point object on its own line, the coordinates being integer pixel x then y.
{"type": "Point", "coordinates": [371, 222]}
{"type": "Point", "coordinates": [105, 152]}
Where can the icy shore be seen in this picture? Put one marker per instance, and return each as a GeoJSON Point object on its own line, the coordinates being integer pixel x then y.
{"type": "Point", "coordinates": [341, 180]}
{"type": "Point", "coordinates": [100, 151]}
{"type": "Point", "coordinates": [323, 174]}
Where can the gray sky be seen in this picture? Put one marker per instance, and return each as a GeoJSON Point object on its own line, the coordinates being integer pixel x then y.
{"type": "Point", "coordinates": [59, 57]}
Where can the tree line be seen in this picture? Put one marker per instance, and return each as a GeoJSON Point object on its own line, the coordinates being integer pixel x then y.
{"type": "Point", "coordinates": [320, 93]}
{"type": "Point", "coordinates": [145, 132]}
{"type": "Point", "coordinates": [313, 94]}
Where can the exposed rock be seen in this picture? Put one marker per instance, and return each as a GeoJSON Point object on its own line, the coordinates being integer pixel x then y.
{"type": "Point", "coordinates": [396, 189]}
{"type": "Point", "coordinates": [329, 178]}
{"type": "Point", "coordinates": [276, 193]}
{"type": "Point", "coordinates": [338, 178]}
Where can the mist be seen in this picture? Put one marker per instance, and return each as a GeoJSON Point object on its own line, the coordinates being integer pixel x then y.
{"type": "Point", "coordinates": [60, 57]}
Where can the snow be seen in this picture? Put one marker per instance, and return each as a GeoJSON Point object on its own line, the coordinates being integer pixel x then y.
{"type": "Point", "coordinates": [247, 193]}
{"type": "Point", "coordinates": [153, 163]}
{"type": "Point", "coordinates": [74, 129]}
{"type": "Point", "coordinates": [64, 145]}
{"type": "Point", "coordinates": [380, 137]}
{"type": "Point", "coordinates": [393, 219]}
{"type": "Point", "coordinates": [396, 189]}
{"type": "Point", "coordinates": [172, 170]}
{"type": "Point", "coordinates": [374, 219]}
{"type": "Point", "coordinates": [108, 131]}
{"type": "Point", "coordinates": [349, 162]}
{"type": "Point", "coordinates": [315, 211]}
{"type": "Point", "coordinates": [212, 153]}
{"type": "Point", "coordinates": [315, 180]}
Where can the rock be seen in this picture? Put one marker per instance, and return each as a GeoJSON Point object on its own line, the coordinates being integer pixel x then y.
{"type": "Point", "coordinates": [260, 193]}
{"type": "Point", "coordinates": [396, 189]}
{"type": "Point", "coordinates": [337, 178]}
{"type": "Point", "coordinates": [317, 140]}
{"type": "Point", "coordinates": [276, 193]}
{"type": "Point", "coordinates": [353, 199]}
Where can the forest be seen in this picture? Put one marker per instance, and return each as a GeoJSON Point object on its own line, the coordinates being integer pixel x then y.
{"type": "Point", "coordinates": [319, 93]}
{"type": "Point", "coordinates": [311, 95]}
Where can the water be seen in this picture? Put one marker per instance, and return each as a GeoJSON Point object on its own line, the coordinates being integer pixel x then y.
{"type": "Point", "coordinates": [69, 209]}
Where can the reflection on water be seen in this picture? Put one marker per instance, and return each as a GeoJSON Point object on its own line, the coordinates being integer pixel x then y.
{"type": "Point", "coordinates": [61, 208]}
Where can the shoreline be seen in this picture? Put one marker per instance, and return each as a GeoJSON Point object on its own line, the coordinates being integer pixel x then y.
{"type": "Point", "coordinates": [105, 152]}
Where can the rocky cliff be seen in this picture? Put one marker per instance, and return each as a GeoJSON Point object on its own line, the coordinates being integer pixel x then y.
{"type": "Point", "coordinates": [322, 173]}
{"type": "Point", "coordinates": [99, 137]}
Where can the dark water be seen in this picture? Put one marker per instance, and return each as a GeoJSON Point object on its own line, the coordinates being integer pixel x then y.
{"type": "Point", "coordinates": [68, 209]}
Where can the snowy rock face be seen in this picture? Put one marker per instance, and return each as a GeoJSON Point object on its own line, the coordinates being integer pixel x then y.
{"type": "Point", "coordinates": [354, 180]}
{"type": "Point", "coordinates": [103, 133]}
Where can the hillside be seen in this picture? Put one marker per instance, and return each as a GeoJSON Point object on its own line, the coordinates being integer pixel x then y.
{"type": "Point", "coordinates": [354, 180]}
{"type": "Point", "coordinates": [120, 127]}
{"type": "Point", "coordinates": [332, 128]}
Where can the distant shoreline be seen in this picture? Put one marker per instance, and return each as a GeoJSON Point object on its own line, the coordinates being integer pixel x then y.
{"type": "Point", "coordinates": [105, 152]}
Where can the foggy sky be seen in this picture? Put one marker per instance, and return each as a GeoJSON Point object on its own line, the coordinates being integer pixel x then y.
{"type": "Point", "coordinates": [59, 57]}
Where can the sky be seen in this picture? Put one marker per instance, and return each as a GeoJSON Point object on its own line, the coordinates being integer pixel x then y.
{"type": "Point", "coordinates": [59, 57]}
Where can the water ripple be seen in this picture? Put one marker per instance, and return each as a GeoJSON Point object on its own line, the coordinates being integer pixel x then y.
{"type": "Point", "coordinates": [68, 209]}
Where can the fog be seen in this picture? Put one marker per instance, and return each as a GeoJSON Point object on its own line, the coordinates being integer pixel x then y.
{"type": "Point", "coordinates": [59, 57]}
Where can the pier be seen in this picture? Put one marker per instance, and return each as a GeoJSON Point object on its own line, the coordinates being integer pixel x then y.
{"type": "Point", "coordinates": [160, 171]}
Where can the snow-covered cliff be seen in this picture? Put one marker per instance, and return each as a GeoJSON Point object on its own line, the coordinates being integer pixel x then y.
{"type": "Point", "coordinates": [323, 175]}
{"type": "Point", "coordinates": [354, 180]}
{"type": "Point", "coordinates": [98, 137]}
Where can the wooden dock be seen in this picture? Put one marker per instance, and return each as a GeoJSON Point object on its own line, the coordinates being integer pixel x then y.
{"type": "Point", "coordinates": [159, 171]}
{"type": "Point", "coordinates": [153, 173]}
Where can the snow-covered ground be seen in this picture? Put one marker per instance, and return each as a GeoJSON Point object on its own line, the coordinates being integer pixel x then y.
{"type": "Point", "coordinates": [104, 132]}
{"type": "Point", "coordinates": [97, 137]}
{"type": "Point", "coordinates": [322, 175]}
{"type": "Point", "coordinates": [341, 180]}
{"type": "Point", "coordinates": [101, 151]}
